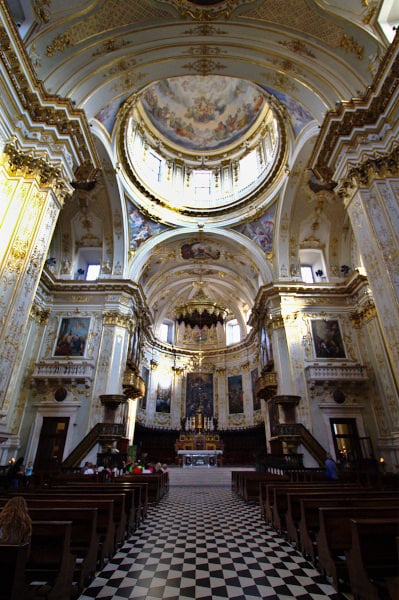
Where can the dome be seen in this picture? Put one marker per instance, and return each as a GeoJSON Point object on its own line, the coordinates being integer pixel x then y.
{"type": "Point", "coordinates": [202, 147]}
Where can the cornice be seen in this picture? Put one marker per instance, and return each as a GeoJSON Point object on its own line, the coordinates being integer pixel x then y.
{"type": "Point", "coordinates": [306, 292]}
{"type": "Point", "coordinates": [375, 167]}
{"type": "Point", "coordinates": [19, 163]}
{"type": "Point", "coordinates": [43, 108]}
{"type": "Point", "coordinates": [364, 314]}
{"type": "Point", "coordinates": [357, 113]}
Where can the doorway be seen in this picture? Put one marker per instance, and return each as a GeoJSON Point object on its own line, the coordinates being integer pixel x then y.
{"type": "Point", "coordinates": [51, 444]}
{"type": "Point", "coordinates": [346, 442]}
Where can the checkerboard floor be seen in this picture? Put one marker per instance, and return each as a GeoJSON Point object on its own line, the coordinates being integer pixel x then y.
{"type": "Point", "coordinates": [205, 542]}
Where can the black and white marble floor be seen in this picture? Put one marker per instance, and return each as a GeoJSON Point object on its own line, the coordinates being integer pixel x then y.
{"type": "Point", "coordinates": [203, 542]}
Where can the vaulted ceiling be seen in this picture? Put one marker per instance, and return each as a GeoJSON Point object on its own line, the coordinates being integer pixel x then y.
{"type": "Point", "coordinates": [305, 56]}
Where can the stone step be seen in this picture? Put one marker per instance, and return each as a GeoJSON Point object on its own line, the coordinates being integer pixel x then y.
{"type": "Point", "coordinates": [201, 476]}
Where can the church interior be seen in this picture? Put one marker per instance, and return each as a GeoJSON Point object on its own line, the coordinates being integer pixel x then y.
{"type": "Point", "coordinates": [199, 231]}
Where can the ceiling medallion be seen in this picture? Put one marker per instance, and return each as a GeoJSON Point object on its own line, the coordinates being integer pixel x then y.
{"type": "Point", "coordinates": [207, 10]}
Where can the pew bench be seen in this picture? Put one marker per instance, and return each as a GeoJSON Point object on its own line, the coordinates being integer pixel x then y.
{"type": "Point", "coordinates": [334, 538]}
{"type": "Point", "coordinates": [373, 562]}
{"type": "Point", "coordinates": [309, 522]}
{"type": "Point", "coordinates": [50, 566]}
{"type": "Point", "coordinates": [13, 559]}
{"type": "Point", "coordinates": [344, 495]}
{"type": "Point", "coordinates": [84, 538]}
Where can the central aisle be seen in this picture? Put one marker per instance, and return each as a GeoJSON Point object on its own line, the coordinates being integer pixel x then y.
{"type": "Point", "coordinates": [202, 541]}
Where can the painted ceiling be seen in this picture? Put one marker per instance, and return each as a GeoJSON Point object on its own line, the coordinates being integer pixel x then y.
{"type": "Point", "coordinates": [203, 113]}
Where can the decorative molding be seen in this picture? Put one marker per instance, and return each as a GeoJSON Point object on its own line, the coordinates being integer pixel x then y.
{"type": "Point", "coordinates": [364, 314]}
{"type": "Point", "coordinates": [19, 163]}
{"type": "Point", "coordinates": [59, 44]}
{"type": "Point", "coordinates": [117, 319]}
{"type": "Point", "coordinates": [40, 315]}
{"type": "Point", "coordinates": [356, 114]}
{"type": "Point", "coordinates": [204, 66]}
{"type": "Point", "coordinates": [216, 9]}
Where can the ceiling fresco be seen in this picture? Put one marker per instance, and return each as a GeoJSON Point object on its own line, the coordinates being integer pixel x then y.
{"type": "Point", "coordinates": [203, 113]}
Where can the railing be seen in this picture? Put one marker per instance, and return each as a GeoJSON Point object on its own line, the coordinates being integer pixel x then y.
{"type": "Point", "coordinates": [100, 433]}
{"type": "Point", "coordinates": [297, 430]}
{"type": "Point", "coordinates": [66, 372]}
{"type": "Point", "coordinates": [349, 373]}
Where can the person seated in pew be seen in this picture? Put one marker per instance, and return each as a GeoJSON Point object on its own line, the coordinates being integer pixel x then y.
{"type": "Point", "coordinates": [15, 522]}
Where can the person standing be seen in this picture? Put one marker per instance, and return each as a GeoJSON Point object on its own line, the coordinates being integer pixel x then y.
{"type": "Point", "coordinates": [331, 467]}
{"type": "Point", "coordinates": [15, 472]}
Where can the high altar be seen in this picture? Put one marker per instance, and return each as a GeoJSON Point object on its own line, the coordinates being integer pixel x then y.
{"type": "Point", "coordinates": [199, 444]}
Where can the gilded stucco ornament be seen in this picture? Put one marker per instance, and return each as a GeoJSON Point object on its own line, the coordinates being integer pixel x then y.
{"type": "Point", "coordinates": [115, 318]}
{"type": "Point", "coordinates": [364, 314]}
{"type": "Point", "coordinates": [20, 163]}
{"type": "Point", "coordinates": [207, 11]}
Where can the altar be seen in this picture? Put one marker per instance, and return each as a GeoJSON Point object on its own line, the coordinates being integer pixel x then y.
{"type": "Point", "coordinates": [199, 458]}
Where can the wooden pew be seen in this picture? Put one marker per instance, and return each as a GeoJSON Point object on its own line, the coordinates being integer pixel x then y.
{"type": "Point", "coordinates": [334, 537]}
{"type": "Point", "coordinates": [84, 538]}
{"type": "Point", "coordinates": [133, 497]}
{"type": "Point", "coordinates": [373, 562]}
{"type": "Point", "coordinates": [119, 511]}
{"type": "Point", "coordinates": [13, 559]}
{"type": "Point", "coordinates": [249, 482]}
{"type": "Point", "coordinates": [105, 527]}
{"type": "Point", "coordinates": [309, 523]}
{"type": "Point", "coordinates": [50, 563]}
{"type": "Point", "coordinates": [158, 483]}
{"type": "Point", "coordinates": [277, 498]}
{"type": "Point", "coordinates": [293, 514]}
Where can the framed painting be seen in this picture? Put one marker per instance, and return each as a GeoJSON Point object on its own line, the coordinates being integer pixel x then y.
{"type": "Point", "coordinates": [327, 339]}
{"type": "Point", "coordinates": [72, 336]}
{"type": "Point", "coordinates": [235, 393]}
{"type": "Point", "coordinates": [164, 398]}
{"type": "Point", "coordinates": [256, 400]}
{"type": "Point", "coordinates": [199, 394]}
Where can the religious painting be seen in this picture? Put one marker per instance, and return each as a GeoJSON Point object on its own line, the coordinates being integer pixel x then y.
{"type": "Point", "coordinates": [140, 229]}
{"type": "Point", "coordinates": [203, 113]}
{"type": "Point", "coordinates": [273, 417]}
{"type": "Point", "coordinates": [299, 116]}
{"type": "Point", "coordinates": [199, 394]}
{"type": "Point", "coordinates": [200, 334]}
{"type": "Point", "coordinates": [163, 399]}
{"type": "Point", "coordinates": [200, 250]}
{"type": "Point", "coordinates": [72, 336]}
{"type": "Point", "coordinates": [260, 231]}
{"type": "Point", "coordinates": [235, 394]}
{"type": "Point", "coordinates": [327, 339]}
{"type": "Point", "coordinates": [145, 374]}
{"type": "Point", "coordinates": [256, 400]}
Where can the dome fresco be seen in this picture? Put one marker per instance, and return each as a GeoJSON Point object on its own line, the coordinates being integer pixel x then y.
{"type": "Point", "coordinates": [203, 113]}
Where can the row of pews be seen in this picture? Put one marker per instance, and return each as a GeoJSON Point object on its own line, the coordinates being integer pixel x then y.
{"type": "Point", "coordinates": [78, 524]}
{"type": "Point", "coordinates": [349, 532]}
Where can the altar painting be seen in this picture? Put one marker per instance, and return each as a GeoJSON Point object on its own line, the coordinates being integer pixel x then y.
{"type": "Point", "coordinates": [235, 393]}
{"type": "Point", "coordinates": [199, 393]}
{"type": "Point", "coordinates": [256, 400]}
